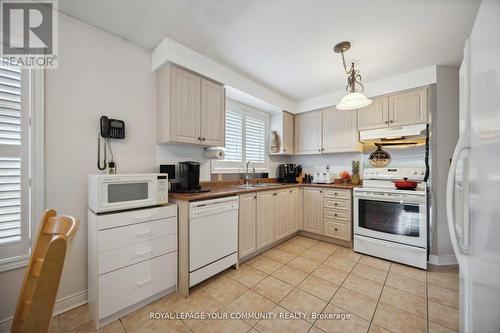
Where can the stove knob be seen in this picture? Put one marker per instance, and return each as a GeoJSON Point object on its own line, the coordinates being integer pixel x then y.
{"type": "Point", "coordinates": [415, 172]}
{"type": "Point", "coordinates": [422, 173]}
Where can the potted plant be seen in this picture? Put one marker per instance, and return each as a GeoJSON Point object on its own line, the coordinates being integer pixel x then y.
{"type": "Point", "coordinates": [355, 173]}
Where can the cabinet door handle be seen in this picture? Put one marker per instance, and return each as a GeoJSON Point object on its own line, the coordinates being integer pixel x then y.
{"type": "Point", "coordinates": [335, 214]}
{"type": "Point", "coordinates": [142, 283]}
{"type": "Point", "coordinates": [335, 229]}
{"type": "Point", "coordinates": [199, 138]}
{"type": "Point", "coordinates": [142, 253]}
{"type": "Point", "coordinates": [387, 121]}
{"type": "Point", "coordinates": [319, 149]}
{"type": "Point", "coordinates": [143, 218]}
{"type": "Point", "coordinates": [320, 191]}
{"type": "Point", "coordinates": [143, 233]}
{"type": "Point", "coordinates": [255, 197]}
{"type": "Point", "coordinates": [275, 193]}
{"type": "Point", "coordinates": [336, 204]}
{"type": "Point", "coordinates": [284, 149]}
{"type": "Point", "coordinates": [202, 139]}
{"type": "Point", "coordinates": [391, 121]}
{"type": "Point", "coordinates": [335, 193]}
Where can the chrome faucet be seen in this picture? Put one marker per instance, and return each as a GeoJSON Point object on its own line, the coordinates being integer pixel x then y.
{"type": "Point", "coordinates": [247, 178]}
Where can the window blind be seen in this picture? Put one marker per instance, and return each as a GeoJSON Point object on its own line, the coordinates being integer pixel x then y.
{"type": "Point", "coordinates": [255, 139]}
{"type": "Point", "coordinates": [10, 156]}
{"type": "Point", "coordinates": [234, 137]}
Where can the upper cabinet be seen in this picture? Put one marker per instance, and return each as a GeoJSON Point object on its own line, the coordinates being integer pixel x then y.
{"type": "Point", "coordinates": [406, 108]}
{"type": "Point", "coordinates": [283, 124]}
{"type": "Point", "coordinates": [375, 115]}
{"type": "Point", "coordinates": [190, 108]}
{"type": "Point", "coordinates": [308, 128]}
{"type": "Point", "coordinates": [326, 131]}
{"type": "Point", "coordinates": [340, 132]}
{"type": "Point", "coordinates": [213, 113]}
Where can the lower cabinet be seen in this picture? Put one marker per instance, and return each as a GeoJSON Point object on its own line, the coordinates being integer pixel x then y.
{"type": "Point", "coordinates": [247, 228]}
{"type": "Point", "coordinates": [265, 218]}
{"type": "Point", "coordinates": [282, 206]}
{"type": "Point", "coordinates": [268, 216]}
{"type": "Point", "coordinates": [313, 210]}
{"type": "Point", "coordinates": [294, 216]}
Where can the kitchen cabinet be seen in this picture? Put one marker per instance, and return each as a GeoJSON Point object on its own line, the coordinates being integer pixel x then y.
{"type": "Point", "coordinates": [247, 224]}
{"type": "Point", "coordinates": [308, 132]}
{"type": "Point", "coordinates": [375, 115]}
{"type": "Point", "coordinates": [408, 108]}
{"type": "Point", "coordinates": [294, 210]}
{"type": "Point", "coordinates": [213, 113]}
{"type": "Point", "coordinates": [284, 123]}
{"type": "Point", "coordinates": [312, 199]}
{"type": "Point", "coordinates": [337, 211]}
{"type": "Point", "coordinates": [265, 218]}
{"type": "Point", "coordinates": [405, 108]}
{"type": "Point", "coordinates": [340, 131]}
{"type": "Point", "coordinates": [282, 206]}
{"type": "Point", "coordinates": [190, 108]}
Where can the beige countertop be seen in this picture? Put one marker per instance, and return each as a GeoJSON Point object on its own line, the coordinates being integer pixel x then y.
{"type": "Point", "coordinates": [228, 188]}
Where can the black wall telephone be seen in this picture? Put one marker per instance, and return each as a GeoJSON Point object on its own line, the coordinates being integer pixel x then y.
{"type": "Point", "coordinates": [110, 129]}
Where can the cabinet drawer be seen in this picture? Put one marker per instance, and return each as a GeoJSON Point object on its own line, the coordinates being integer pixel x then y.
{"type": "Point", "coordinates": [114, 220]}
{"type": "Point", "coordinates": [136, 233]}
{"type": "Point", "coordinates": [127, 286]}
{"type": "Point", "coordinates": [338, 214]}
{"type": "Point", "coordinates": [337, 204]}
{"type": "Point", "coordinates": [338, 229]}
{"type": "Point", "coordinates": [128, 255]}
{"type": "Point", "coordinates": [339, 194]}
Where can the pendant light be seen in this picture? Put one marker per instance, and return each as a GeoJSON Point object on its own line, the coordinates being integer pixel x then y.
{"type": "Point", "coordinates": [354, 99]}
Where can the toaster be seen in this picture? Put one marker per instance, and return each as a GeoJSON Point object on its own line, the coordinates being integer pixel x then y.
{"type": "Point", "coordinates": [325, 177]}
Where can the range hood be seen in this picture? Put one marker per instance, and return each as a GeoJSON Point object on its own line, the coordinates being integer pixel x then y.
{"type": "Point", "coordinates": [401, 134]}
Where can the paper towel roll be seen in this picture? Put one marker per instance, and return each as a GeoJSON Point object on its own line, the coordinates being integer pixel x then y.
{"type": "Point", "coordinates": [214, 153]}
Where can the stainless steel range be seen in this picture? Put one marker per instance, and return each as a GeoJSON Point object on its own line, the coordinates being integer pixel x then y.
{"type": "Point", "coordinates": [390, 223]}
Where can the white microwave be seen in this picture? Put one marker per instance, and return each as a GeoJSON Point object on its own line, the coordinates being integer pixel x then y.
{"type": "Point", "coordinates": [109, 193]}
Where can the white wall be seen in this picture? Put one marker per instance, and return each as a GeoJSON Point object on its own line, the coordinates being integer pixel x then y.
{"type": "Point", "coordinates": [445, 122]}
{"type": "Point", "coordinates": [337, 162]}
{"type": "Point", "coordinates": [98, 74]}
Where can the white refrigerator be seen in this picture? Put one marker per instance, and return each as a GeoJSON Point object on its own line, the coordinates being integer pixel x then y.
{"type": "Point", "coordinates": [473, 191]}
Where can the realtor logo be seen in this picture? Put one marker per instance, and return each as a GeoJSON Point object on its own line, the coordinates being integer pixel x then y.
{"type": "Point", "coordinates": [29, 33]}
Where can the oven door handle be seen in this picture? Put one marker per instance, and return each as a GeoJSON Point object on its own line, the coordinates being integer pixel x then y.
{"type": "Point", "coordinates": [397, 199]}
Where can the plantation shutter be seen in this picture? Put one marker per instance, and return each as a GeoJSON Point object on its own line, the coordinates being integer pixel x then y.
{"type": "Point", "coordinates": [255, 139]}
{"type": "Point", "coordinates": [234, 137]}
{"type": "Point", "coordinates": [14, 172]}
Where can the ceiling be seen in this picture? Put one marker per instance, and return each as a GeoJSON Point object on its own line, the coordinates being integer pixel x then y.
{"type": "Point", "coordinates": [286, 45]}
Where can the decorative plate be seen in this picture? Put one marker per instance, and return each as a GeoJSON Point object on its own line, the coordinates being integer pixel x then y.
{"type": "Point", "coordinates": [379, 158]}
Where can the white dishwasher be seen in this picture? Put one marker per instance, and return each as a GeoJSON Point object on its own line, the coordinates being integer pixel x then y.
{"type": "Point", "coordinates": [213, 237]}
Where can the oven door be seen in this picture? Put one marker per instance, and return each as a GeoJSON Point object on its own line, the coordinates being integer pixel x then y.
{"type": "Point", "coordinates": [400, 218]}
{"type": "Point", "coordinates": [126, 192]}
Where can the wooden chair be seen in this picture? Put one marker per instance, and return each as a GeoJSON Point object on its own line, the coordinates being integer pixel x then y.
{"type": "Point", "coordinates": [41, 279]}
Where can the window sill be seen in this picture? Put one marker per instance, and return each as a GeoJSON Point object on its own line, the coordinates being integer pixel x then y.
{"type": "Point", "coordinates": [14, 263]}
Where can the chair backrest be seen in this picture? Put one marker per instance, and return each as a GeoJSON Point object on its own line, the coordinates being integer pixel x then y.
{"type": "Point", "coordinates": [41, 278]}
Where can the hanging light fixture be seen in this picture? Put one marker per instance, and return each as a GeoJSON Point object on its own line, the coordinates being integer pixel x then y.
{"type": "Point", "coordinates": [354, 99]}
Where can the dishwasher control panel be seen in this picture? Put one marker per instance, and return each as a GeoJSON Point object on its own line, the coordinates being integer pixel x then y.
{"type": "Point", "coordinates": [213, 207]}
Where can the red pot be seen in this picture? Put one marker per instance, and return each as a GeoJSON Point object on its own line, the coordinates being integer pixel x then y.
{"type": "Point", "coordinates": [405, 184]}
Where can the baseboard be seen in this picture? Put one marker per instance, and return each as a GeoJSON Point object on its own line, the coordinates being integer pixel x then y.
{"type": "Point", "coordinates": [443, 260]}
{"type": "Point", "coordinates": [70, 302]}
{"type": "Point", "coordinates": [62, 305]}
{"type": "Point", "coordinates": [5, 325]}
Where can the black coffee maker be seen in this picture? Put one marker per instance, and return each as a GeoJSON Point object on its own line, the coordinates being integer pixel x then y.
{"type": "Point", "coordinates": [288, 172]}
{"type": "Point", "coordinates": [189, 178]}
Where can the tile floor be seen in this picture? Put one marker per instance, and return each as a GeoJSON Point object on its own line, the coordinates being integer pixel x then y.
{"type": "Point", "coordinates": [303, 276]}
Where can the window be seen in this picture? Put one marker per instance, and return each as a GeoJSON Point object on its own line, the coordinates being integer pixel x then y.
{"type": "Point", "coordinates": [246, 130]}
{"type": "Point", "coordinates": [15, 139]}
